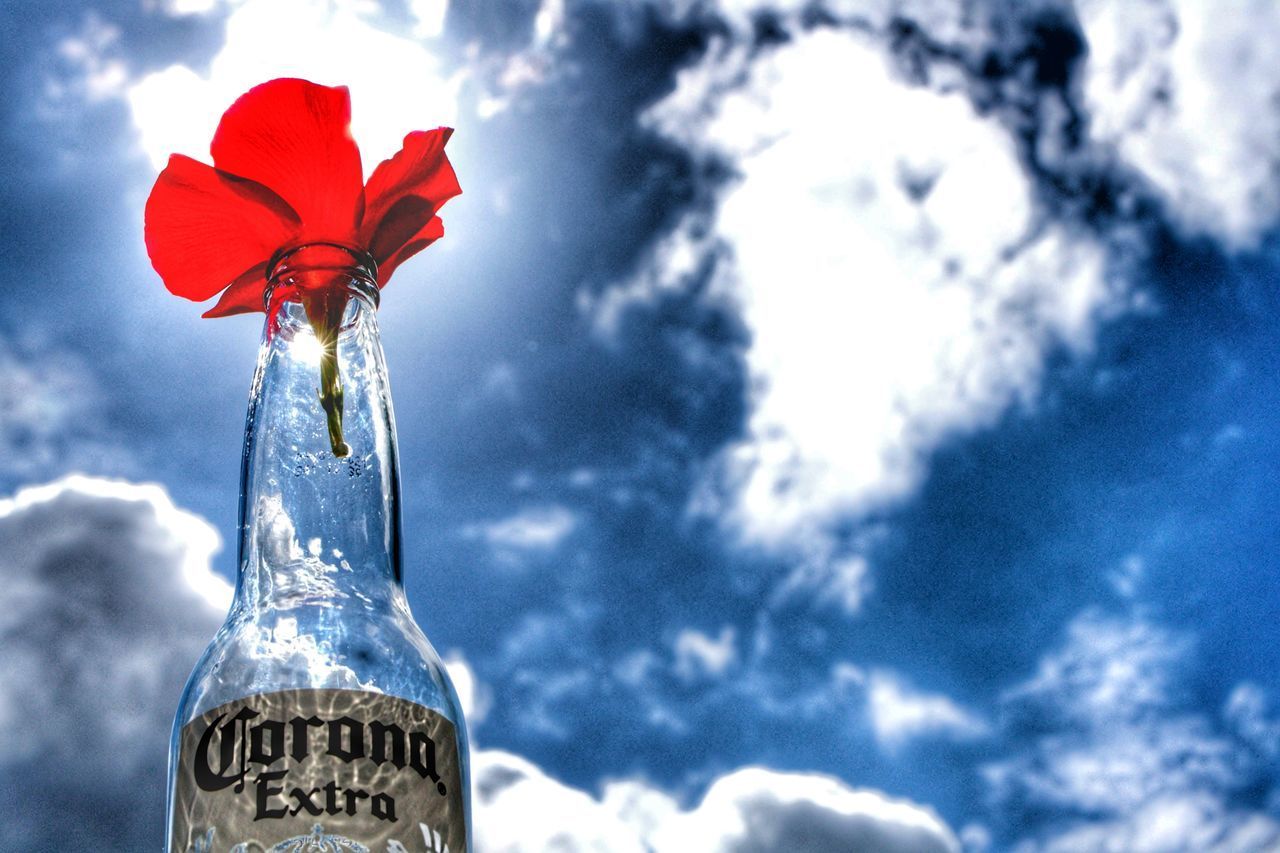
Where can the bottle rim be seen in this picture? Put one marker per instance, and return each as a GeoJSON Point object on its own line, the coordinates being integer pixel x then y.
{"type": "Point", "coordinates": [360, 267]}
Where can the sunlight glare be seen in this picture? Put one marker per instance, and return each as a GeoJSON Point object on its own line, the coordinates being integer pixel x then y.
{"type": "Point", "coordinates": [396, 84]}
{"type": "Point", "coordinates": [306, 348]}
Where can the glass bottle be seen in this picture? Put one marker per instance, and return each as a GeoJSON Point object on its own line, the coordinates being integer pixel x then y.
{"type": "Point", "coordinates": [319, 717]}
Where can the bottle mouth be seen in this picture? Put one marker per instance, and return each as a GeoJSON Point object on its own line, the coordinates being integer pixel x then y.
{"type": "Point", "coordinates": [312, 266]}
{"type": "Point", "coordinates": [322, 278]}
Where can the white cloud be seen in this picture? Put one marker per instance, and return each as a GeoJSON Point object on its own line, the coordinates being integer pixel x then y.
{"type": "Point", "coordinates": [1127, 577]}
{"type": "Point", "coordinates": [475, 697]}
{"type": "Point", "coordinates": [549, 22]}
{"type": "Point", "coordinates": [520, 808]}
{"type": "Point", "coordinates": [1191, 822]}
{"type": "Point", "coordinates": [756, 810]}
{"type": "Point", "coordinates": [429, 16]}
{"type": "Point", "coordinates": [1112, 758]}
{"type": "Point", "coordinates": [885, 246]}
{"type": "Point", "coordinates": [506, 80]}
{"type": "Point", "coordinates": [53, 415]}
{"type": "Point", "coordinates": [975, 838]}
{"type": "Point", "coordinates": [396, 84]}
{"type": "Point", "coordinates": [187, 7]}
{"type": "Point", "coordinates": [534, 529]}
{"type": "Point", "coordinates": [843, 580]}
{"type": "Point", "coordinates": [97, 73]}
{"type": "Point", "coordinates": [108, 600]}
{"type": "Point", "coordinates": [899, 713]}
{"type": "Point", "coordinates": [1108, 670]}
{"type": "Point", "coordinates": [1253, 718]}
{"type": "Point", "coordinates": [946, 20]}
{"type": "Point", "coordinates": [1190, 98]}
{"type": "Point", "coordinates": [673, 263]}
{"type": "Point", "coordinates": [700, 655]}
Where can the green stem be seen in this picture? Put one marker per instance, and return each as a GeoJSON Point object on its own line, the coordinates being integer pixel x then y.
{"type": "Point", "coordinates": [331, 395]}
{"type": "Point", "coordinates": [325, 308]}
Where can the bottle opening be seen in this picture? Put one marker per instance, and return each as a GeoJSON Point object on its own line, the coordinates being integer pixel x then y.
{"type": "Point", "coordinates": [320, 266]}
{"type": "Point", "coordinates": [323, 278]}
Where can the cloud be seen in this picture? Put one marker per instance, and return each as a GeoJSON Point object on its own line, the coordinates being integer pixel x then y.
{"type": "Point", "coordinates": [1193, 821]}
{"type": "Point", "coordinates": [53, 415]}
{"type": "Point", "coordinates": [93, 71]}
{"type": "Point", "coordinates": [1188, 98]}
{"type": "Point", "coordinates": [187, 7]}
{"type": "Point", "coordinates": [843, 580]}
{"type": "Point", "coordinates": [880, 701]}
{"type": "Point", "coordinates": [899, 713]}
{"type": "Point", "coordinates": [1108, 670]}
{"type": "Point", "coordinates": [520, 808]}
{"type": "Point", "coordinates": [429, 16]}
{"type": "Point", "coordinates": [507, 78]}
{"type": "Point", "coordinates": [476, 698]}
{"type": "Point", "coordinates": [396, 83]}
{"type": "Point", "coordinates": [699, 655]}
{"type": "Point", "coordinates": [1112, 756]}
{"type": "Point", "coordinates": [108, 601]}
{"type": "Point", "coordinates": [756, 810]}
{"type": "Point", "coordinates": [884, 243]}
{"type": "Point", "coordinates": [534, 529]}
{"type": "Point", "coordinates": [1254, 718]}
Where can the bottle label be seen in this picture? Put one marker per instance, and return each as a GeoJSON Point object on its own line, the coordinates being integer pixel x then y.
{"type": "Point", "coordinates": [319, 770]}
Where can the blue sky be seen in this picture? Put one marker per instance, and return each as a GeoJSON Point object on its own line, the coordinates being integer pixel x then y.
{"type": "Point", "coordinates": [832, 425]}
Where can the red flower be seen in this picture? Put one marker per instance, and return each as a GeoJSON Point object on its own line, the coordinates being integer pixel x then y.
{"type": "Point", "coordinates": [287, 172]}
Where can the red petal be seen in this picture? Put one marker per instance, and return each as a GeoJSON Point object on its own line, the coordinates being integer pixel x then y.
{"type": "Point", "coordinates": [426, 235]}
{"type": "Point", "coordinates": [294, 136]}
{"type": "Point", "coordinates": [204, 228]}
{"type": "Point", "coordinates": [245, 295]}
{"type": "Point", "coordinates": [403, 196]}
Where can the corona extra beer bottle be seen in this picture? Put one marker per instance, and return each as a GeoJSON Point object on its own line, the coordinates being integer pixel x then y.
{"type": "Point", "coordinates": [319, 718]}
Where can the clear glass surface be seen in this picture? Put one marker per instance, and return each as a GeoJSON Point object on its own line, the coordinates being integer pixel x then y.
{"type": "Point", "coordinates": [319, 601]}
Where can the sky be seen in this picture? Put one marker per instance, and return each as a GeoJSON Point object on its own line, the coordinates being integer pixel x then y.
{"type": "Point", "coordinates": [839, 424]}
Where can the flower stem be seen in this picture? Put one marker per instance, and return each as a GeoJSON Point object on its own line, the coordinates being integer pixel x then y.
{"type": "Point", "coordinates": [331, 395]}
{"type": "Point", "coordinates": [325, 309]}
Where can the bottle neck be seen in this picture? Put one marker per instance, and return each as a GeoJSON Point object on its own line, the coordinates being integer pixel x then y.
{"type": "Point", "coordinates": [319, 519]}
